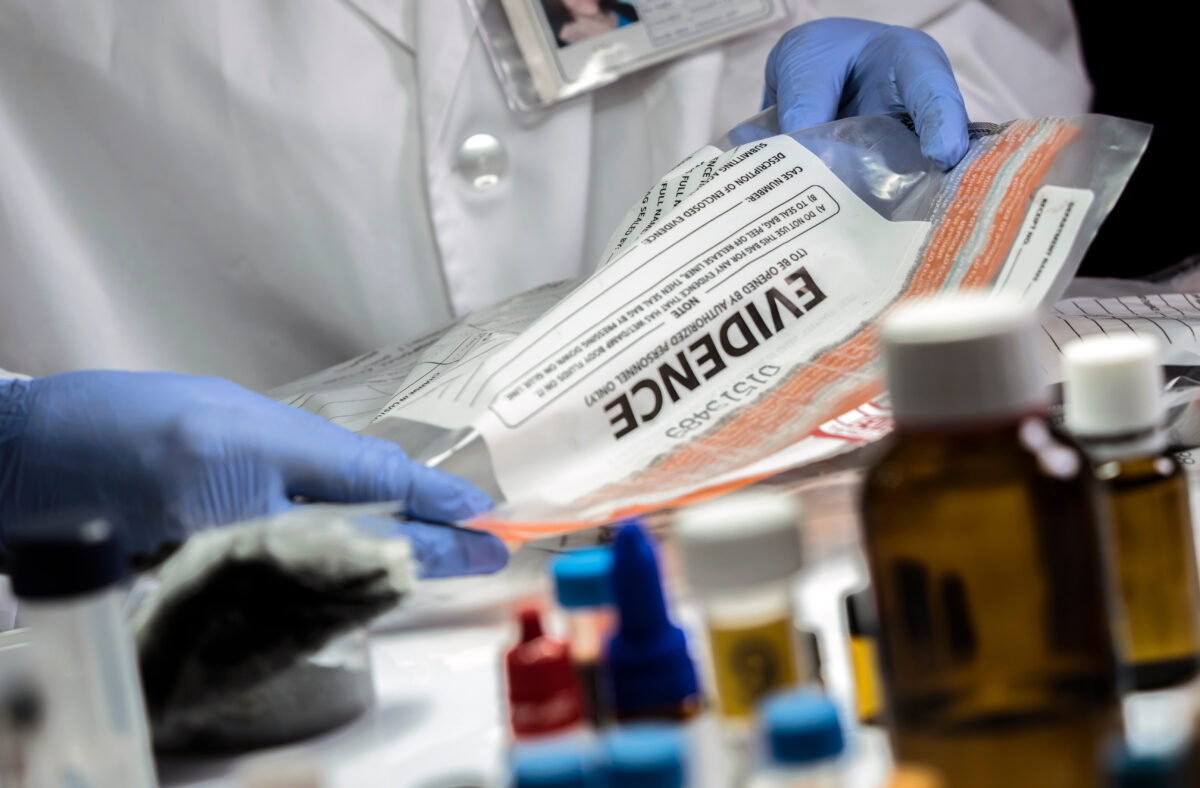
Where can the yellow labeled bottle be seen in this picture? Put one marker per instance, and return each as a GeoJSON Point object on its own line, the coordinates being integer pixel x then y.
{"type": "Point", "coordinates": [983, 540]}
{"type": "Point", "coordinates": [1112, 404]}
{"type": "Point", "coordinates": [740, 555]}
{"type": "Point", "coordinates": [863, 626]}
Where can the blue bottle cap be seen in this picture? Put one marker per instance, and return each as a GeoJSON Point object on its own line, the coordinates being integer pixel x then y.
{"type": "Point", "coordinates": [1161, 769]}
{"type": "Point", "coordinates": [559, 764]}
{"type": "Point", "coordinates": [648, 661]}
{"type": "Point", "coordinates": [583, 578]}
{"type": "Point", "coordinates": [646, 756]}
{"type": "Point", "coordinates": [802, 727]}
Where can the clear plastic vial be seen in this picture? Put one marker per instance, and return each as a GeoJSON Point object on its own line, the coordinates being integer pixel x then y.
{"type": "Point", "coordinates": [65, 570]}
{"type": "Point", "coordinates": [804, 742]}
{"type": "Point", "coordinates": [983, 535]}
{"type": "Point", "coordinates": [1113, 405]}
{"type": "Point", "coordinates": [583, 588]}
{"type": "Point", "coordinates": [740, 554]}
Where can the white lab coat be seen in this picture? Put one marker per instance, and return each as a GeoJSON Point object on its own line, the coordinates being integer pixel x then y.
{"type": "Point", "coordinates": [258, 189]}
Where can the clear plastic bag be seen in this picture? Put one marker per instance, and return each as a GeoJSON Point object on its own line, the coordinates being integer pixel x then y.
{"type": "Point", "coordinates": [728, 331]}
{"type": "Point", "coordinates": [886, 168]}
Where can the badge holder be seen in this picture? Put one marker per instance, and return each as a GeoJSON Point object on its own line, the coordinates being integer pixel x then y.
{"type": "Point", "coordinates": [543, 54]}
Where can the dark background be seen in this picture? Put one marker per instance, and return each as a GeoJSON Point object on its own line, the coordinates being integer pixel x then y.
{"type": "Point", "coordinates": [1141, 59]}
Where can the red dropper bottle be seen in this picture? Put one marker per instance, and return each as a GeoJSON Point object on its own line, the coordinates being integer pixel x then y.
{"type": "Point", "coordinates": [543, 695]}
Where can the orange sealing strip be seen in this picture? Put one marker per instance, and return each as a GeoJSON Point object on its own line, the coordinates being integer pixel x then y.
{"type": "Point", "coordinates": [1008, 217]}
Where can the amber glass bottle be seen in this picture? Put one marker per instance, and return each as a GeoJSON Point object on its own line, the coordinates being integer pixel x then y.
{"type": "Point", "coordinates": [983, 539]}
{"type": "Point", "coordinates": [1112, 397]}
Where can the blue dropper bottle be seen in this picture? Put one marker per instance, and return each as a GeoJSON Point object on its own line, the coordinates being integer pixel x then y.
{"type": "Point", "coordinates": [651, 674]}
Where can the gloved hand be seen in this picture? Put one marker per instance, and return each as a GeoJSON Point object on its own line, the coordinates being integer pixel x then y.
{"type": "Point", "coordinates": [170, 454]}
{"type": "Point", "coordinates": [839, 68]}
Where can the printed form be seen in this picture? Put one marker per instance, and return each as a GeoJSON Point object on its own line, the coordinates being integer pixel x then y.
{"type": "Point", "coordinates": [742, 263]}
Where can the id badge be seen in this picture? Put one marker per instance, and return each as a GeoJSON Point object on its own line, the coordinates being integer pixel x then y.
{"type": "Point", "coordinates": [547, 50]}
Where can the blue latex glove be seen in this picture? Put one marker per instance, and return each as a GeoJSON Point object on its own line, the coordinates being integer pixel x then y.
{"type": "Point", "coordinates": [171, 454]}
{"type": "Point", "coordinates": [450, 551]}
{"type": "Point", "coordinates": [839, 68]}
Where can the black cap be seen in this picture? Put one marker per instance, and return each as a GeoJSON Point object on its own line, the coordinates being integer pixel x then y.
{"type": "Point", "coordinates": [65, 553]}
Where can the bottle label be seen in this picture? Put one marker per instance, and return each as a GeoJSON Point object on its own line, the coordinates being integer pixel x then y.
{"type": "Point", "coordinates": [1157, 571]}
{"type": "Point", "coordinates": [750, 662]}
{"type": "Point", "coordinates": [867, 687]}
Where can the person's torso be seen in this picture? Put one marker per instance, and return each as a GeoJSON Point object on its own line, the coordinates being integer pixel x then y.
{"type": "Point", "coordinates": [257, 189]}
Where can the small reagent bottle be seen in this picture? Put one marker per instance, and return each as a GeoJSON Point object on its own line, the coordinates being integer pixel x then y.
{"type": "Point", "coordinates": [67, 571]}
{"type": "Point", "coordinates": [650, 669]}
{"type": "Point", "coordinates": [543, 696]}
{"type": "Point", "coordinates": [804, 742]}
{"type": "Point", "coordinates": [647, 755]}
{"type": "Point", "coordinates": [1112, 392]}
{"type": "Point", "coordinates": [574, 763]}
{"type": "Point", "coordinates": [740, 555]}
{"type": "Point", "coordinates": [983, 534]}
{"type": "Point", "coordinates": [583, 588]}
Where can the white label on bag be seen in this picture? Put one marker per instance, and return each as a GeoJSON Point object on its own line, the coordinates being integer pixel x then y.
{"type": "Point", "coordinates": [1051, 223]}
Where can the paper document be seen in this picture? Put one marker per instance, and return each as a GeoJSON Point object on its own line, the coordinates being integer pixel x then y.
{"type": "Point", "coordinates": [655, 362]}
{"type": "Point", "coordinates": [1173, 319]}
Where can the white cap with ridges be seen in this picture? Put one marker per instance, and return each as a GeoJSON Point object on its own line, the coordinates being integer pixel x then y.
{"type": "Point", "coordinates": [1112, 385]}
{"type": "Point", "coordinates": [740, 540]}
{"type": "Point", "coordinates": [962, 358]}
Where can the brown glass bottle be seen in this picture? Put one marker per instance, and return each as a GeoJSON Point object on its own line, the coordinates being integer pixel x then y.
{"type": "Point", "coordinates": [1156, 569]}
{"type": "Point", "coordinates": [982, 536]}
{"type": "Point", "coordinates": [1113, 405]}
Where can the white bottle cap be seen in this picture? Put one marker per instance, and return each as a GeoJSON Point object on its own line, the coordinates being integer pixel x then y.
{"type": "Point", "coordinates": [740, 540]}
{"type": "Point", "coordinates": [1112, 385]}
{"type": "Point", "coordinates": [962, 358]}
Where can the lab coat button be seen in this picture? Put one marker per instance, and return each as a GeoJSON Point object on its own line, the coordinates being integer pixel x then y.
{"type": "Point", "coordinates": [482, 161]}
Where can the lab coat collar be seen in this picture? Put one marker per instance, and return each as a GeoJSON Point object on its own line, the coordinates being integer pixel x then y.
{"type": "Point", "coordinates": [440, 34]}
{"type": "Point", "coordinates": [393, 18]}
{"type": "Point", "coordinates": [445, 32]}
